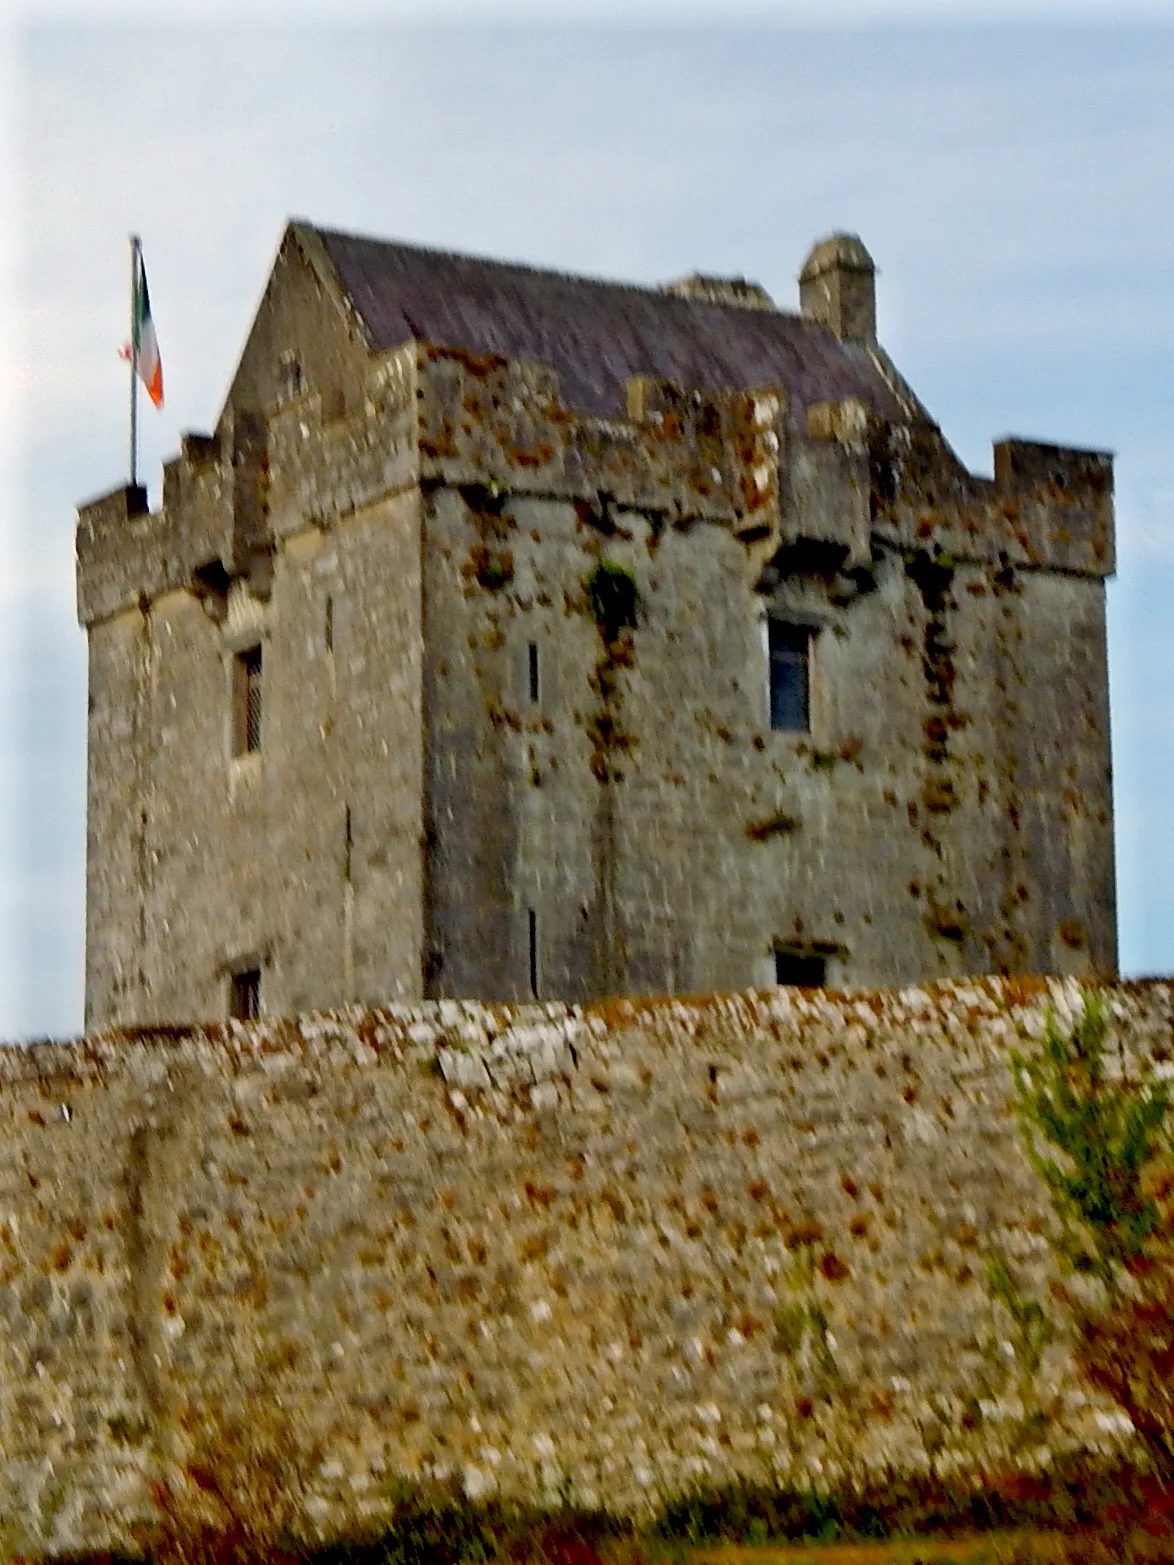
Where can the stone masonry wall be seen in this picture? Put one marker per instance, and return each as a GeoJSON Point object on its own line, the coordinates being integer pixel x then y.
{"type": "Point", "coordinates": [610, 1249]}
{"type": "Point", "coordinates": [947, 813]}
{"type": "Point", "coordinates": [302, 858]}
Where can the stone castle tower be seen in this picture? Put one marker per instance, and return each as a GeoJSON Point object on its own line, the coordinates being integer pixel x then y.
{"type": "Point", "coordinates": [518, 634]}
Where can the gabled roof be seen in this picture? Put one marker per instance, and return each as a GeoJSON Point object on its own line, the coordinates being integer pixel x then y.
{"type": "Point", "coordinates": [596, 334]}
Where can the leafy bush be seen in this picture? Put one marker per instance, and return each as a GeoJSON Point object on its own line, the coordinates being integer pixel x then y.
{"type": "Point", "coordinates": [1108, 1135]}
{"type": "Point", "coordinates": [1109, 1169]}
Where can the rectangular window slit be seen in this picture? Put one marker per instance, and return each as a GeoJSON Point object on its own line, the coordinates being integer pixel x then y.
{"type": "Point", "coordinates": [348, 846]}
{"type": "Point", "coordinates": [328, 633]}
{"type": "Point", "coordinates": [534, 672]}
{"type": "Point", "coordinates": [790, 677]}
{"type": "Point", "coordinates": [244, 1001]}
{"type": "Point", "coordinates": [533, 921]}
{"type": "Point", "coordinates": [246, 699]}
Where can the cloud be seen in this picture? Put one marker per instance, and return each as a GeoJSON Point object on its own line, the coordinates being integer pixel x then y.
{"type": "Point", "coordinates": [1015, 184]}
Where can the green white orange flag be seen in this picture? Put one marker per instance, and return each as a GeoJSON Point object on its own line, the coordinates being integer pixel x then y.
{"type": "Point", "coordinates": [146, 349]}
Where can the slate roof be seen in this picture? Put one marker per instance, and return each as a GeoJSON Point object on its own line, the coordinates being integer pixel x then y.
{"type": "Point", "coordinates": [595, 333]}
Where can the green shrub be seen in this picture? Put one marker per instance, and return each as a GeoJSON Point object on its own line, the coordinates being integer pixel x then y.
{"type": "Point", "coordinates": [1109, 1168]}
{"type": "Point", "coordinates": [1107, 1134]}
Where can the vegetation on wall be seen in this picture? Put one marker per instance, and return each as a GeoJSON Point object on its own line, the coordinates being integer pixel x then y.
{"type": "Point", "coordinates": [1107, 1133]}
{"type": "Point", "coordinates": [780, 824]}
{"type": "Point", "coordinates": [493, 568]}
{"type": "Point", "coordinates": [1075, 1515]}
{"type": "Point", "coordinates": [1031, 1331]}
{"type": "Point", "coordinates": [1098, 1134]}
{"type": "Point", "coordinates": [612, 598]}
{"type": "Point", "coordinates": [239, 1494]}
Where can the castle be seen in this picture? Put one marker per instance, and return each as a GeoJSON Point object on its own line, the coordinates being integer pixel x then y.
{"type": "Point", "coordinates": [521, 635]}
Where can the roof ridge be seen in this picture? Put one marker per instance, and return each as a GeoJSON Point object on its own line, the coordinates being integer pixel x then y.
{"type": "Point", "coordinates": [596, 332]}
{"type": "Point", "coordinates": [659, 291]}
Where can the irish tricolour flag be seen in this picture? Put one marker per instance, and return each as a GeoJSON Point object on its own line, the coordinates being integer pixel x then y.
{"type": "Point", "coordinates": [146, 349]}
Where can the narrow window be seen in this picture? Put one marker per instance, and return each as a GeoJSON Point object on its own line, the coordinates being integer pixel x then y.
{"type": "Point", "coordinates": [348, 845]}
{"type": "Point", "coordinates": [534, 692]}
{"type": "Point", "coordinates": [533, 920]}
{"type": "Point", "coordinates": [800, 969]}
{"type": "Point", "coordinates": [328, 633]}
{"type": "Point", "coordinates": [246, 701]}
{"type": "Point", "coordinates": [291, 381]}
{"type": "Point", "coordinates": [244, 999]}
{"type": "Point", "coordinates": [790, 677]}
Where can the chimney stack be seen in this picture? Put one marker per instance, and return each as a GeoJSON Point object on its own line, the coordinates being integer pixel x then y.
{"type": "Point", "coordinates": [837, 287]}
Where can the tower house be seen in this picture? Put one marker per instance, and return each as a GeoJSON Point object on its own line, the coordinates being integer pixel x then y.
{"type": "Point", "coordinates": [521, 634]}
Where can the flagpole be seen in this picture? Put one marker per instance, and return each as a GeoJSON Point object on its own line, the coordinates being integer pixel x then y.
{"type": "Point", "coordinates": [135, 265]}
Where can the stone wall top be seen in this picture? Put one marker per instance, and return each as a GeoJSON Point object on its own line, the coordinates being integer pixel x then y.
{"type": "Point", "coordinates": [735, 457]}
{"type": "Point", "coordinates": [521, 1041]}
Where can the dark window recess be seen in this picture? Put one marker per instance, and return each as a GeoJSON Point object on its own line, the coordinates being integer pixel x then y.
{"type": "Point", "coordinates": [790, 677]}
{"type": "Point", "coordinates": [290, 378]}
{"type": "Point", "coordinates": [329, 631]}
{"type": "Point", "coordinates": [800, 969]}
{"type": "Point", "coordinates": [246, 698]}
{"type": "Point", "coordinates": [533, 920]}
{"type": "Point", "coordinates": [533, 670]}
{"type": "Point", "coordinates": [244, 1000]}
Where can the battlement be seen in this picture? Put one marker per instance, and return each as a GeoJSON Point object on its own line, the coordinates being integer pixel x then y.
{"type": "Point", "coordinates": [127, 554]}
{"type": "Point", "coordinates": [745, 460]}
{"type": "Point", "coordinates": [1047, 507]}
{"type": "Point", "coordinates": [114, 544]}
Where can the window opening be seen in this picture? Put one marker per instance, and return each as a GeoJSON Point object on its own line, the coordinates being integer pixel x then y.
{"type": "Point", "coordinates": [247, 701]}
{"type": "Point", "coordinates": [328, 633]}
{"type": "Point", "coordinates": [533, 667]}
{"type": "Point", "coordinates": [800, 969]}
{"type": "Point", "coordinates": [291, 380]}
{"type": "Point", "coordinates": [533, 921]}
{"type": "Point", "coordinates": [790, 677]}
{"type": "Point", "coordinates": [245, 995]}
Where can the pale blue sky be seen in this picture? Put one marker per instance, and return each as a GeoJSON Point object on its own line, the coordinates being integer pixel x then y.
{"type": "Point", "coordinates": [1015, 184]}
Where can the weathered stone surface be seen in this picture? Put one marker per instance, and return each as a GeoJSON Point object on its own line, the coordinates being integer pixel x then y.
{"type": "Point", "coordinates": [604, 1278]}
{"type": "Point", "coordinates": [470, 785]}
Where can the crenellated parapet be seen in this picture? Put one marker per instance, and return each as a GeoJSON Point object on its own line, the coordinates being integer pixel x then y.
{"type": "Point", "coordinates": [127, 554]}
{"type": "Point", "coordinates": [1047, 507]}
{"type": "Point", "coordinates": [229, 499]}
{"type": "Point", "coordinates": [746, 460]}
{"type": "Point", "coordinates": [323, 468]}
{"type": "Point", "coordinates": [832, 480]}
{"type": "Point", "coordinates": [117, 539]}
{"type": "Point", "coordinates": [684, 454]}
